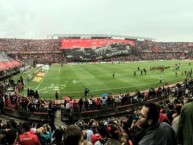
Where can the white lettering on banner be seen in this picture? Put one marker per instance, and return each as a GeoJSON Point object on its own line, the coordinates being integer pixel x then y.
{"type": "Point", "coordinates": [27, 138]}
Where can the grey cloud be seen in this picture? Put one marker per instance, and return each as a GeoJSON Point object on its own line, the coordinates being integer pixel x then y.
{"type": "Point", "coordinates": [165, 20]}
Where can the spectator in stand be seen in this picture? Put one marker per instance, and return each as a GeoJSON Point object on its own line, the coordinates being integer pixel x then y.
{"type": "Point", "coordinates": [80, 103]}
{"type": "Point", "coordinates": [87, 133]}
{"type": "Point", "coordinates": [67, 106]}
{"type": "Point", "coordinates": [185, 128]}
{"type": "Point", "coordinates": [103, 131]}
{"type": "Point", "coordinates": [98, 103]}
{"type": "Point", "coordinates": [9, 138]}
{"type": "Point", "coordinates": [103, 102]}
{"type": "Point", "coordinates": [113, 142]}
{"type": "Point", "coordinates": [170, 112]}
{"type": "Point", "coordinates": [155, 133]}
{"type": "Point", "coordinates": [45, 134]}
{"type": "Point", "coordinates": [73, 136]}
{"type": "Point", "coordinates": [86, 104]}
{"type": "Point", "coordinates": [27, 138]}
{"type": "Point", "coordinates": [163, 116]}
{"type": "Point", "coordinates": [57, 135]}
{"type": "Point", "coordinates": [176, 118]}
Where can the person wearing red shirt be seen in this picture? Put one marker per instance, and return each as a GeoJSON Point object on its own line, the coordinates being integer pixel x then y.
{"type": "Point", "coordinates": [27, 138]}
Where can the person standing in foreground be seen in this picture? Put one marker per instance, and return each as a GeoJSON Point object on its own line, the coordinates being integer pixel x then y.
{"type": "Point", "coordinates": [185, 127]}
{"type": "Point", "coordinates": [155, 133]}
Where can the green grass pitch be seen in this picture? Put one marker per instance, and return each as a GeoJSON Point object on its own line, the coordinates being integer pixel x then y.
{"type": "Point", "coordinates": [71, 80]}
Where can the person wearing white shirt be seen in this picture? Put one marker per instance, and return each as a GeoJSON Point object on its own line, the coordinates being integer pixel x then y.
{"type": "Point", "coordinates": [67, 106]}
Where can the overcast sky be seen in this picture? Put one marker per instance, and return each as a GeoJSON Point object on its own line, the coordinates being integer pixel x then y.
{"type": "Point", "coordinates": [163, 20]}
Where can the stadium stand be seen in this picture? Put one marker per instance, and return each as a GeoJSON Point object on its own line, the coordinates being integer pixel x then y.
{"type": "Point", "coordinates": [69, 50]}
{"type": "Point", "coordinates": [125, 130]}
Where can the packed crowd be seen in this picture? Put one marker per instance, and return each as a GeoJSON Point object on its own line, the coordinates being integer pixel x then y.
{"type": "Point", "coordinates": [42, 58]}
{"type": "Point", "coordinates": [148, 45]}
{"type": "Point", "coordinates": [147, 56]}
{"type": "Point", "coordinates": [86, 103]}
{"type": "Point", "coordinates": [50, 52]}
{"type": "Point", "coordinates": [9, 96]}
{"type": "Point", "coordinates": [28, 45]}
{"type": "Point", "coordinates": [160, 124]}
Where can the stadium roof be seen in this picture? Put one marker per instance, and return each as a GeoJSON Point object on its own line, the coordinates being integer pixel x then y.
{"type": "Point", "coordinates": [97, 35]}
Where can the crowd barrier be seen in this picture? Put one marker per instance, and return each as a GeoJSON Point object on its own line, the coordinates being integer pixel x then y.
{"type": "Point", "coordinates": [24, 115]}
{"type": "Point", "coordinates": [105, 113]}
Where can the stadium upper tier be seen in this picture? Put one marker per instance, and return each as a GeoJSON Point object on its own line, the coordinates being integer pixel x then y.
{"type": "Point", "coordinates": [50, 45]}
{"type": "Point", "coordinates": [28, 45]}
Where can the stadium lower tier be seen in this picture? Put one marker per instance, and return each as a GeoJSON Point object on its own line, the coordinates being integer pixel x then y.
{"type": "Point", "coordinates": [102, 113]}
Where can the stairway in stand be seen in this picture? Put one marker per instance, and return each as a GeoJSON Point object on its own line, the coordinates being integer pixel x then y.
{"type": "Point", "coordinates": [58, 121]}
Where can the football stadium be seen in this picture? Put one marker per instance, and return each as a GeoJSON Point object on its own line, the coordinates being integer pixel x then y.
{"type": "Point", "coordinates": [119, 72]}
{"type": "Point", "coordinates": [92, 89]}
{"type": "Point", "coordinates": [104, 74]}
